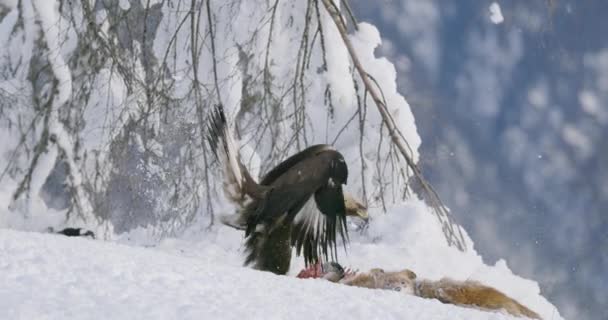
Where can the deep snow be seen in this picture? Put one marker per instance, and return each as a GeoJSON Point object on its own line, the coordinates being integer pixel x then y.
{"type": "Point", "coordinates": [46, 276]}
{"type": "Point", "coordinates": [54, 277]}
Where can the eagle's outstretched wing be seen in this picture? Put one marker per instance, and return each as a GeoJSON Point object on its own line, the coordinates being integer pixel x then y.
{"type": "Point", "coordinates": [239, 187]}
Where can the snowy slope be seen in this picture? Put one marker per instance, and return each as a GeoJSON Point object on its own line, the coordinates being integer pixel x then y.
{"type": "Point", "coordinates": [55, 277]}
{"type": "Point", "coordinates": [200, 277]}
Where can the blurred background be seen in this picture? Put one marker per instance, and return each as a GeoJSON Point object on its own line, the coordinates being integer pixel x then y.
{"type": "Point", "coordinates": [511, 108]}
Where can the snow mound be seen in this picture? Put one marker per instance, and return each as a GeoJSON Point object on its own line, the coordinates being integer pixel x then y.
{"type": "Point", "coordinates": [200, 276]}
{"type": "Point", "coordinates": [55, 277]}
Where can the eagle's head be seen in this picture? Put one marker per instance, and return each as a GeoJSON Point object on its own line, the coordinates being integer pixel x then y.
{"type": "Point", "coordinates": [354, 208]}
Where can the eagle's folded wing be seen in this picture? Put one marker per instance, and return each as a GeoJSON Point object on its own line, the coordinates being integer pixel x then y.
{"type": "Point", "coordinates": [315, 227]}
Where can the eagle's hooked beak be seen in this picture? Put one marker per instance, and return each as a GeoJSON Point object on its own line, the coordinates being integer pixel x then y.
{"type": "Point", "coordinates": [355, 208]}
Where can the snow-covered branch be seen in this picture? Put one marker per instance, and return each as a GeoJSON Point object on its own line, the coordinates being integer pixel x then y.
{"type": "Point", "coordinates": [452, 230]}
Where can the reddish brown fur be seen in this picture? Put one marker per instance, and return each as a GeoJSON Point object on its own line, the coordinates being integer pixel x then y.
{"type": "Point", "coordinates": [462, 293]}
{"type": "Point", "coordinates": [471, 293]}
{"type": "Point", "coordinates": [379, 279]}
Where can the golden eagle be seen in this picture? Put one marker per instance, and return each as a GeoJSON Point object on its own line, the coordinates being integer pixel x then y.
{"type": "Point", "coordinates": [299, 203]}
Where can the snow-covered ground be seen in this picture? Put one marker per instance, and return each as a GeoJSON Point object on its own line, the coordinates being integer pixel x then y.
{"type": "Point", "coordinates": [45, 276]}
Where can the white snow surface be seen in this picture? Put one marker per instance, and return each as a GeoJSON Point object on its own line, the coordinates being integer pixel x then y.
{"type": "Point", "coordinates": [200, 276]}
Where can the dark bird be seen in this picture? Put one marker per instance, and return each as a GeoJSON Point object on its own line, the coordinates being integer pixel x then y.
{"type": "Point", "coordinates": [299, 203]}
{"type": "Point", "coordinates": [73, 232]}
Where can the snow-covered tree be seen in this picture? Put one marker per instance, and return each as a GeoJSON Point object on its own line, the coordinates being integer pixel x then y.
{"type": "Point", "coordinates": [105, 103]}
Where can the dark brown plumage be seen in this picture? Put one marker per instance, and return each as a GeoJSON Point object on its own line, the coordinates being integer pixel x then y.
{"type": "Point", "coordinates": [299, 203]}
